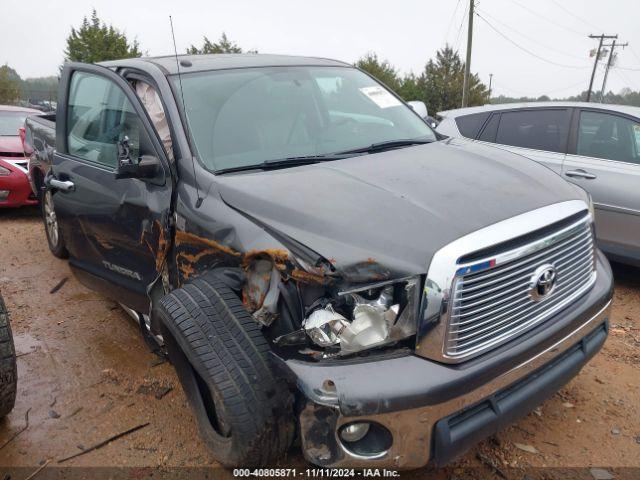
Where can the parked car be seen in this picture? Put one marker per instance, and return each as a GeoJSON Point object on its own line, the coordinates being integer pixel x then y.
{"type": "Point", "coordinates": [14, 182]}
{"type": "Point", "coordinates": [315, 261]}
{"type": "Point", "coordinates": [595, 146]}
{"type": "Point", "coordinates": [421, 109]}
{"type": "Point", "coordinates": [8, 368]}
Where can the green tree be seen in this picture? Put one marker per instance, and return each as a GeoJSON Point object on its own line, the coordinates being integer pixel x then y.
{"type": "Point", "coordinates": [411, 88]}
{"type": "Point", "coordinates": [442, 82]}
{"type": "Point", "coordinates": [382, 70]}
{"type": "Point", "coordinates": [223, 45]}
{"type": "Point", "coordinates": [40, 88]}
{"type": "Point", "coordinates": [95, 41]}
{"type": "Point", "coordinates": [9, 85]}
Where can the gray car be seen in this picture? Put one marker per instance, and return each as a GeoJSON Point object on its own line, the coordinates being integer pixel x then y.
{"type": "Point", "coordinates": [595, 146]}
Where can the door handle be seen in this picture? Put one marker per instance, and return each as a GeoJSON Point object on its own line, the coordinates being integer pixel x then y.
{"type": "Point", "coordinates": [65, 186]}
{"type": "Point", "coordinates": [579, 173]}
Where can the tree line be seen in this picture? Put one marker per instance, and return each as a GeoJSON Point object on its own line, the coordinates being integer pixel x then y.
{"type": "Point", "coordinates": [438, 85]}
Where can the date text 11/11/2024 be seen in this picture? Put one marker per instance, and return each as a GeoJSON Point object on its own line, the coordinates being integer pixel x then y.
{"type": "Point", "coordinates": [316, 472]}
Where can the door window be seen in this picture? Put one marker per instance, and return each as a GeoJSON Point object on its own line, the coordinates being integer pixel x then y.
{"type": "Point", "coordinates": [99, 116]}
{"type": "Point", "coordinates": [540, 129]}
{"type": "Point", "coordinates": [612, 137]}
{"type": "Point", "coordinates": [469, 125]}
{"type": "Point", "coordinates": [491, 128]}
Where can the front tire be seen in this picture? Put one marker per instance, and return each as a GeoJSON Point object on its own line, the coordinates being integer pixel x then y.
{"type": "Point", "coordinates": [52, 227]}
{"type": "Point", "coordinates": [244, 411]}
{"type": "Point", "coordinates": [8, 369]}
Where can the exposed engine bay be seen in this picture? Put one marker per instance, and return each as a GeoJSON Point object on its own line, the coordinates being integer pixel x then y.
{"type": "Point", "coordinates": [329, 318]}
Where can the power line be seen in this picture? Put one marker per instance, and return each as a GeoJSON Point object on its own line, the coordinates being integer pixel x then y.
{"type": "Point", "coordinates": [634, 53]}
{"type": "Point", "coordinates": [464, 15]}
{"type": "Point", "coordinates": [628, 69]}
{"type": "Point", "coordinates": [453, 16]}
{"type": "Point", "coordinates": [589, 24]}
{"type": "Point", "coordinates": [586, 22]}
{"type": "Point", "coordinates": [574, 85]}
{"type": "Point", "coordinates": [526, 50]}
{"type": "Point", "coordinates": [625, 79]}
{"type": "Point", "coordinates": [531, 39]}
{"type": "Point", "coordinates": [504, 87]}
{"type": "Point", "coordinates": [564, 27]}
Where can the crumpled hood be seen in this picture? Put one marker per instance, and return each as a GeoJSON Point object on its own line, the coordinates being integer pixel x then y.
{"type": "Point", "coordinates": [395, 208]}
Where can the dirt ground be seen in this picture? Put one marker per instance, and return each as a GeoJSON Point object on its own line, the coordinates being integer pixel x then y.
{"type": "Point", "coordinates": [85, 373]}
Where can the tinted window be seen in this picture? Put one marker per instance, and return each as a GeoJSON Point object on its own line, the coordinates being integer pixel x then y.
{"type": "Point", "coordinates": [538, 129]}
{"type": "Point", "coordinates": [242, 117]}
{"type": "Point", "coordinates": [490, 129]}
{"type": "Point", "coordinates": [470, 125]}
{"type": "Point", "coordinates": [608, 136]}
{"type": "Point", "coordinates": [99, 116]}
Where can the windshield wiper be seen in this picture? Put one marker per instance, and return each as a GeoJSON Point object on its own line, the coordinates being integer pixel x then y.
{"type": "Point", "coordinates": [388, 145]}
{"type": "Point", "coordinates": [290, 162]}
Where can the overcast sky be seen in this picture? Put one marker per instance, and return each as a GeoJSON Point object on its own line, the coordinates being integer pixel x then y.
{"type": "Point", "coordinates": [406, 32]}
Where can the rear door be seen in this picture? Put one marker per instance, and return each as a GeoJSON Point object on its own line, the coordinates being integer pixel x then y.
{"type": "Point", "coordinates": [540, 134]}
{"type": "Point", "coordinates": [116, 230]}
{"type": "Point", "coordinates": [604, 159]}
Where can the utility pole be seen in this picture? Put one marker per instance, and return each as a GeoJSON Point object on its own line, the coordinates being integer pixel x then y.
{"type": "Point", "coordinates": [467, 65]}
{"type": "Point", "coordinates": [595, 62]}
{"type": "Point", "coordinates": [609, 62]}
{"type": "Point", "coordinates": [490, 80]}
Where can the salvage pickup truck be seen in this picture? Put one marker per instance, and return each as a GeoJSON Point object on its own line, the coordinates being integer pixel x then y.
{"type": "Point", "coordinates": [316, 261]}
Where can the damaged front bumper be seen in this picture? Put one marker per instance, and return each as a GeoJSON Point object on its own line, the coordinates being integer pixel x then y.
{"type": "Point", "coordinates": [420, 411]}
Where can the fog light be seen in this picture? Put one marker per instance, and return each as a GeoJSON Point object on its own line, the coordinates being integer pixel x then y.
{"type": "Point", "coordinates": [367, 439]}
{"type": "Point", "coordinates": [354, 432]}
{"type": "Point", "coordinates": [4, 194]}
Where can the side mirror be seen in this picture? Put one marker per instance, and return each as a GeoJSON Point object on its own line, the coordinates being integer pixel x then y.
{"type": "Point", "coordinates": [419, 107]}
{"type": "Point", "coordinates": [147, 166]}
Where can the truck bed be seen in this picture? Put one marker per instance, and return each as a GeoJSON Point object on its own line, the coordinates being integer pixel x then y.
{"type": "Point", "coordinates": [40, 139]}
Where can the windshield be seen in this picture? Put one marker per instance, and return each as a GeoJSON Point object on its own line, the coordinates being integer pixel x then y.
{"type": "Point", "coordinates": [245, 117]}
{"type": "Point", "coordinates": [10, 122]}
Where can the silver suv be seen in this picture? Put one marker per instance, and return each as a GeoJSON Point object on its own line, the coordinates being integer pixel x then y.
{"type": "Point", "coordinates": [595, 146]}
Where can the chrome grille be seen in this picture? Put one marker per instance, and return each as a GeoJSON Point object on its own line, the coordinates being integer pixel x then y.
{"type": "Point", "coordinates": [491, 299]}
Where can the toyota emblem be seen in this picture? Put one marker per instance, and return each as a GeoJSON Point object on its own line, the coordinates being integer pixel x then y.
{"type": "Point", "coordinates": [543, 282]}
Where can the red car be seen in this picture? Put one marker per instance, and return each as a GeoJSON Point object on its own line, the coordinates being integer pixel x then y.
{"type": "Point", "coordinates": [15, 190]}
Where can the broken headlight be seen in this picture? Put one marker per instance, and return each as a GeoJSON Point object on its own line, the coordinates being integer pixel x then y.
{"type": "Point", "coordinates": [365, 318]}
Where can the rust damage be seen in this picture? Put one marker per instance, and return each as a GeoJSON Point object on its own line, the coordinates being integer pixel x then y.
{"type": "Point", "coordinates": [264, 271]}
{"type": "Point", "coordinates": [157, 243]}
{"type": "Point", "coordinates": [193, 249]}
{"type": "Point", "coordinates": [279, 257]}
{"type": "Point", "coordinates": [302, 276]}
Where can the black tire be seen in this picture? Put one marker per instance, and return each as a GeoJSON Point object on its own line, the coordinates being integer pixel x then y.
{"type": "Point", "coordinates": [51, 226]}
{"type": "Point", "coordinates": [244, 411]}
{"type": "Point", "coordinates": [8, 370]}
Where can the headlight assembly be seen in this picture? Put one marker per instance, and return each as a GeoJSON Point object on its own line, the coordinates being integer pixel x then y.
{"type": "Point", "coordinates": [364, 318]}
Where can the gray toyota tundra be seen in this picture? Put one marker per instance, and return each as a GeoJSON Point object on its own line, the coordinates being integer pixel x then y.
{"type": "Point", "coordinates": [315, 260]}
